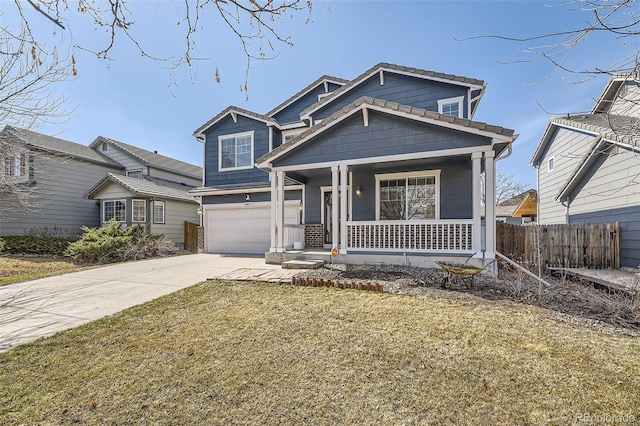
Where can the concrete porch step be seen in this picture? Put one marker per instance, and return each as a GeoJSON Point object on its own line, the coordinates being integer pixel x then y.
{"type": "Point", "coordinates": [302, 264]}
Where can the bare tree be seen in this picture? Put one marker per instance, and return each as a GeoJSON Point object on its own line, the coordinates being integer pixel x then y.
{"type": "Point", "coordinates": [507, 186]}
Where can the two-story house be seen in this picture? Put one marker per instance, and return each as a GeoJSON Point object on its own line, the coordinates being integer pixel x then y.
{"type": "Point", "coordinates": [70, 185]}
{"type": "Point", "coordinates": [588, 166]}
{"type": "Point", "coordinates": [384, 168]}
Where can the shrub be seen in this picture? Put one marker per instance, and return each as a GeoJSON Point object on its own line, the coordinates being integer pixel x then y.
{"type": "Point", "coordinates": [112, 243]}
{"type": "Point", "coordinates": [30, 244]}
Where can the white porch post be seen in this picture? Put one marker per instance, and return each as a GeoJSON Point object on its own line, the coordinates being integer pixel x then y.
{"type": "Point", "coordinates": [476, 236]}
{"type": "Point", "coordinates": [334, 206]}
{"type": "Point", "coordinates": [343, 208]}
{"type": "Point", "coordinates": [274, 210]}
{"type": "Point", "coordinates": [280, 212]}
{"type": "Point", "coordinates": [490, 203]}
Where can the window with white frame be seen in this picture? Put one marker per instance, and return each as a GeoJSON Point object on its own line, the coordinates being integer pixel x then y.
{"type": "Point", "coordinates": [139, 208]}
{"type": "Point", "coordinates": [137, 173]}
{"type": "Point", "coordinates": [158, 211]}
{"type": "Point", "coordinates": [451, 106]}
{"type": "Point", "coordinates": [235, 151]}
{"type": "Point", "coordinates": [114, 209]}
{"type": "Point", "coordinates": [551, 164]}
{"type": "Point", "coordinates": [408, 196]}
{"type": "Point", "coordinates": [287, 135]}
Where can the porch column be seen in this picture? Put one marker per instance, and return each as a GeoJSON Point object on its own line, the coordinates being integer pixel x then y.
{"type": "Point", "coordinates": [476, 235]}
{"type": "Point", "coordinates": [343, 208]}
{"type": "Point", "coordinates": [274, 210]}
{"type": "Point", "coordinates": [280, 212]}
{"type": "Point", "coordinates": [334, 206]}
{"type": "Point", "coordinates": [490, 204]}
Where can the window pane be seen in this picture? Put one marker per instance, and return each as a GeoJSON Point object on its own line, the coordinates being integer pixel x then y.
{"type": "Point", "coordinates": [392, 199]}
{"type": "Point", "coordinates": [158, 211]}
{"type": "Point", "coordinates": [139, 210]}
{"type": "Point", "coordinates": [228, 153]}
{"type": "Point", "coordinates": [120, 211]}
{"type": "Point", "coordinates": [243, 151]}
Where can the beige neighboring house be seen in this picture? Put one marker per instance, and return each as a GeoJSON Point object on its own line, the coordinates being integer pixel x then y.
{"type": "Point", "coordinates": [520, 209]}
{"type": "Point", "coordinates": [79, 185]}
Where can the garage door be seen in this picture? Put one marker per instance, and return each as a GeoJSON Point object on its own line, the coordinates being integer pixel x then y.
{"type": "Point", "coordinates": [244, 228]}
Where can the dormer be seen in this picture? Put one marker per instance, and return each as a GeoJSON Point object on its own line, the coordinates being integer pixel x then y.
{"type": "Point", "coordinates": [621, 96]}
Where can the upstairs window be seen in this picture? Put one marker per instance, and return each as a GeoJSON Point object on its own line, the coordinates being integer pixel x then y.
{"type": "Point", "coordinates": [451, 106]}
{"type": "Point", "coordinates": [134, 173]}
{"type": "Point", "coordinates": [235, 151]}
{"type": "Point", "coordinates": [551, 164]}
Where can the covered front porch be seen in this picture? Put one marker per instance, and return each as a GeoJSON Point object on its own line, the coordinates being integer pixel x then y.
{"type": "Point", "coordinates": [347, 206]}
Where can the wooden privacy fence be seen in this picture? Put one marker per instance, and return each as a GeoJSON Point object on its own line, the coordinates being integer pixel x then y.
{"type": "Point", "coordinates": [191, 236]}
{"type": "Point", "coordinates": [590, 245]}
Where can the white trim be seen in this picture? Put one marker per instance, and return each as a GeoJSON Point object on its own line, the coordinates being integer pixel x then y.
{"type": "Point", "coordinates": [406, 175]}
{"type": "Point", "coordinates": [245, 205]}
{"type": "Point", "coordinates": [270, 139]}
{"type": "Point", "coordinates": [213, 192]}
{"type": "Point", "coordinates": [551, 164]}
{"type": "Point", "coordinates": [205, 127]}
{"type": "Point", "coordinates": [295, 125]}
{"type": "Point", "coordinates": [104, 202]}
{"type": "Point", "coordinates": [323, 95]}
{"type": "Point", "coordinates": [395, 71]}
{"type": "Point", "coordinates": [381, 77]}
{"type": "Point", "coordinates": [133, 210]}
{"type": "Point", "coordinates": [388, 158]}
{"type": "Point", "coordinates": [164, 212]}
{"type": "Point", "coordinates": [235, 136]}
{"type": "Point", "coordinates": [126, 173]}
{"type": "Point", "coordinates": [324, 189]}
{"type": "Point", "coordinates": [495, 137]}
{"type": "Point", "coordinates": [297, 131]}
{"type": "Point", "coordinates": [456, 100]}
{"type": "Point", "coordinates": [365, 117]}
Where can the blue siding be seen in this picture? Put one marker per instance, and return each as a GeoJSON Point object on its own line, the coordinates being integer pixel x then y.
{"type": "Point", "coordinates": [226, 126]}
{"type": "Point", "coordinates": [398, 88]}
{"type": "Point", "coordinates": [256, 197]}
{"type": "Point", "coordinates": [455, 190]}
{"type": "Point", "coordinates": [292, 112]}
{"type": "Point", "coordinates": [629, 218]}
{"type": "Point", "coordinates": [385, 135]}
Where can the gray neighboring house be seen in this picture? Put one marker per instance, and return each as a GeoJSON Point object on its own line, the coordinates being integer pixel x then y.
{"type": "Point", "coordinates": [383, 168]}
{"type": "Point", "coordinates": [58, 172]}
{"type": "Point", "coordinates": [89, 185]}
{"type": "Point", "coordinates": [588, 166]}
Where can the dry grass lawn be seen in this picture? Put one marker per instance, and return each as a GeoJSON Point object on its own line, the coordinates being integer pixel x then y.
{"type": "Point", "coordinates": [14, 270]}
{"type": "Point", "coordinates": [252, 353]}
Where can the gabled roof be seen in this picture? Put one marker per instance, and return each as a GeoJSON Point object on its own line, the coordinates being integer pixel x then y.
{"type": "Point", "coordinates": [617, 128]}
{"type": "Point", "coordinates": [269, 121]}
{"type": "Point", "coordinates": [418, 114]}
{"type": "Point", "coordinates": [321, 80]}
{"type": "Point", "coordinates": [510, 207]}
{"type": "Point", "coordinates": [610, 92]}
{"type": "Point", "coordinates": [145, 187]}
{"type": "Point", "coordinates": [58, 146]}
{"type": "Point", "coordinates": [398, 69]}
{"type": "Point", "coordinates": [153, 159]}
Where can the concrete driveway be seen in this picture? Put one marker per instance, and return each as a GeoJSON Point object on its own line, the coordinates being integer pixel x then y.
{"type": "Point", "coordinates": [43, 307]}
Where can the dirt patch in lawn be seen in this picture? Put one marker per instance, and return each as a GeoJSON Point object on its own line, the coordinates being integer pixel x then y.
{"type": "Point", "coordinates": [572, 300]}
{"type": "Point", "coordinates": [15, 269]}
{"type": "Point", "coordinates": [254, 353]}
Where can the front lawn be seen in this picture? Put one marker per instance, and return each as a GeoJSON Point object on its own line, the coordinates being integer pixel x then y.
{"type": "Point", "coordinates": [18, 269]}
{"type": "Point", "coordinates": [252, 353]}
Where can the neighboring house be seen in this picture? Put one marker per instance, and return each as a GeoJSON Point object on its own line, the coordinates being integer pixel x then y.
{"type": "Point", "coordinates": [589, 166]}
{"type": "Point", "coordinates": [381, 167]}
{"type": "Point", "coordinates": [519, 209]}
{"type": "Point", "coordinates": [56, 174]}
{"type": "Point", "coordinates": [89, 185]}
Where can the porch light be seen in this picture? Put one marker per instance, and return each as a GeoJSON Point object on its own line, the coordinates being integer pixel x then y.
{"type": "Point", "coordinates": [358, 191]}
{"type": "Point", "coordinates": [247, 197]}
{"type": "Point", "coordinates": [199, 211]}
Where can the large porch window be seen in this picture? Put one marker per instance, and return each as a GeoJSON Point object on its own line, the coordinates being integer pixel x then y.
{"type": "Point", "coordinates": [408, 196]}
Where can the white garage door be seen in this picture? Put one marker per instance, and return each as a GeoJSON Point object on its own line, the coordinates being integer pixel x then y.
{"type": "Point", "coordinates": [244, 228]}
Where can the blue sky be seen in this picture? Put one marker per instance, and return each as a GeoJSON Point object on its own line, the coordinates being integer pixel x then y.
{"type": "Point", "coordinates": [134, 100]}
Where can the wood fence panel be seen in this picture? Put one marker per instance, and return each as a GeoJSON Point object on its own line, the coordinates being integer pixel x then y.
{"type": "Point", "coordinates": [191, 236]}
{"type": "Point", "coordinates": [595, 246]}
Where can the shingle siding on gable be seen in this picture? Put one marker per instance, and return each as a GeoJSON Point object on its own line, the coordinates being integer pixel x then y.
{"type": "Point", "coordinates": [226, 126]}
{"type": "Point", "coordinates": [566, 149]}
{"type": "Point", "coordinates": [292, 112]}
{"type": "Point", "coordinates": [402, 89]}
{"type": "Point", "coordinates": [385, 135]}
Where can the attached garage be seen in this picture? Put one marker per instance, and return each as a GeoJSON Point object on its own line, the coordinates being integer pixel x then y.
{"type": "Point", "coordinates": [243, 228]}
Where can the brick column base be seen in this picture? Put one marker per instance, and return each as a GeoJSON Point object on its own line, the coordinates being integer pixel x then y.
{"type": "Point", "coordinates": [313, 235]}
{"type": "Point", "coordinates": [200, 239]}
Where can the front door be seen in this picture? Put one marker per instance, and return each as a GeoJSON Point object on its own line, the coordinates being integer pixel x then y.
{"type": "Point", "coordinates": [327, 217]}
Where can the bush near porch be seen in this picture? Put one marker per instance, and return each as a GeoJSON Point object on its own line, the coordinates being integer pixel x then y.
{"type": "Point", "coordinates": [252, 353]}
